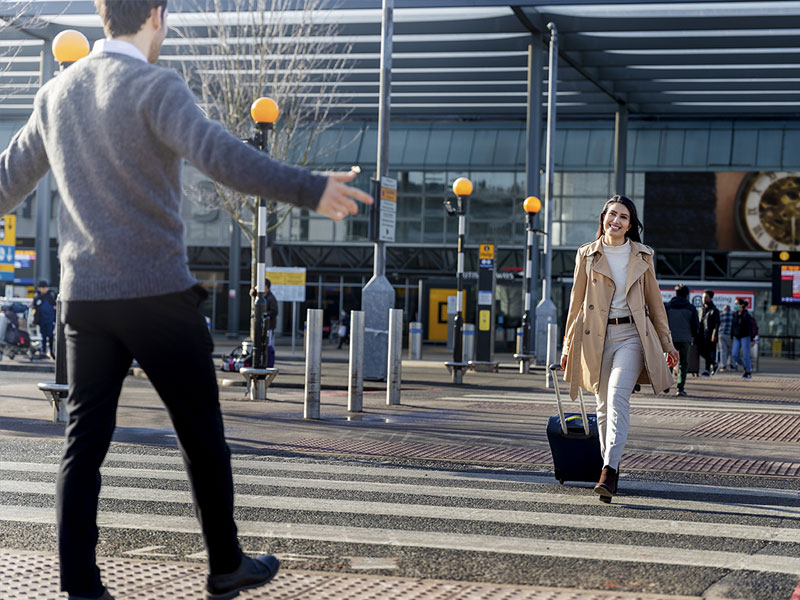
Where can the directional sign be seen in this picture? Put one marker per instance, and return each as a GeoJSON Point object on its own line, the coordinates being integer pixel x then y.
{"type": "Point", "coordinates": [8, 242]}
{"type": "Point", "coordinates": [388, 211]}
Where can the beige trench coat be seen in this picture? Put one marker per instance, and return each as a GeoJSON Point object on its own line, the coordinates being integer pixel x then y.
{"type": "Point", "coordinates": [587, 320]}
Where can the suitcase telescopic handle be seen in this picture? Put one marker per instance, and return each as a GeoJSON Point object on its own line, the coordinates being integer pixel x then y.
{"type": "Point", "coordinates": [557, 367]}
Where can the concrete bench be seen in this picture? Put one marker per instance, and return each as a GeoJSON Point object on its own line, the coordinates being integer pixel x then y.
{"type": "Point", "coordinates": [258, 380]}
{"type": "Point", "coordinates": [56, 393]}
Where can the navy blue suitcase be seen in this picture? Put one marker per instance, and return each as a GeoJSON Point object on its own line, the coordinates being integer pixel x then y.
{"type": "Point", "coordinates": [573, 439]}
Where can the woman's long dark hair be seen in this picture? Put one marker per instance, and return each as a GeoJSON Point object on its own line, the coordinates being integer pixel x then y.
{"type": "Point", "coordinates": [634, 233]}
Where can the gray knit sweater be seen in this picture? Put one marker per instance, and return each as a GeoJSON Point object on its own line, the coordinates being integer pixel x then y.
{"type": "Point", "coordinates": [114, 131]}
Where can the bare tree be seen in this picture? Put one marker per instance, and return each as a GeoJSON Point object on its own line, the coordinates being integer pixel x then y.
{"type": "Point", "coordinates": [20, 18]}
{"type": "Point", "coordinates": [235, 51]}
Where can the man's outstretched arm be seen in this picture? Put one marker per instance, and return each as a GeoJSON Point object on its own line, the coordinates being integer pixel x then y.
{"type": "Point", "coordinates": [22, 164]}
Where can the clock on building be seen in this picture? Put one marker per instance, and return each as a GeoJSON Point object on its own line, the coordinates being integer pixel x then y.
{"type": "Point", "coordinates": [768, 210]}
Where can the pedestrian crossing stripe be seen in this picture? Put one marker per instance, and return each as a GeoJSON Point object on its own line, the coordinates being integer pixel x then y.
{"type": "Point", "coordinates": [562, 510]}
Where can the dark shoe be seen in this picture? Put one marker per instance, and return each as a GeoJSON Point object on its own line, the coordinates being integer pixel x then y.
{"type": "Point", "coordinates": [747, 375]}
{"type": "Point", "coordinates": [105, 596]}
{"type": "Point", "coordinates": [681, 393]}
{"type": "Point", "coordinates": [607, 486]}
{"type": "Point", "coordinates": [252, 573]}
{"type": "Point", "coordinates": [705, 374]}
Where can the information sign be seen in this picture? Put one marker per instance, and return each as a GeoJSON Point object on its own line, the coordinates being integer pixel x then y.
{"type": "Point", "coordinates": [388, 210]}
{"type": "Point", "coordinates": [288, 283]}
{"type": "Point", "coordinates": [8, 242]}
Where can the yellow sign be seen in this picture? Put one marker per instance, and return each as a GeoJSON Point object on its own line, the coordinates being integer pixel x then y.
{"type": "Point", "coordinates": [8, 230]}
{"type": "Point", "coordinates": [485, 320]}
{"type": "Point", "coordinates": [288, 284]}
{"type": "Point", "coordinates": [388, 193]}
{"type": "Point", "coordinates": [283, 278]}
{"type": "Point", "coordinates": [486, 251]}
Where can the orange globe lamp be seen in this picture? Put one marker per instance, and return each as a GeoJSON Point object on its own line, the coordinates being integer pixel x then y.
{"type": "Point", "coordinates": [532, 205]}
{"type": "Point", "coordinates": [264, 110]}
{"type": "Point", "coordinates": [462, 187]}
{"type": "Point", "coordinates": [70, 46]}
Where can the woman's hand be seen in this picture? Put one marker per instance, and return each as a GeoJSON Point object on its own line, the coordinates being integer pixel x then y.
{"type": "Point", "coordinates": [672, 358]}
{"type": "Point", "coordinates": [563, 361]}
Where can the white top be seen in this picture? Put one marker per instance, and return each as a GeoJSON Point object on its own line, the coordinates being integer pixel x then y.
{"type": "Point", "coordinates": [617, 257]}
{"type": "Point", "coordinates": [118, 47]}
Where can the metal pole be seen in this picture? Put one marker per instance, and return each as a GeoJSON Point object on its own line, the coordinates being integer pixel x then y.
{"type": "Point", "coordinates": [258, 326]}
{"type": "Point", "coordinates": [313, 381]}
{"type": "Point", "coordinates": [43, 192]}
{"type": "Point", "coordinates": [469, 342]}
{"type": "Point", "coordinates": [355, 382]}
{"type": "Point", "coordinates": [394, 365]}
{"type": "Point", "coordinates": [415, 340]}
{"type": "Point", "coordinates": [384, 115]}
{"type": "Point", "coordinates": [294, 324]}
{"type": "Point", "coordinates": [552, 334]}
{"type": "Point", "coordinates": [620, 149]}
{"type": "Point", "coordinates": [526, 315]}
{"type": "Point", "coordinates": [546, 309]}
{"type": "Point", "coordinates": [458, 320]}
{"type": "Point", "coordinates": [533, 162]}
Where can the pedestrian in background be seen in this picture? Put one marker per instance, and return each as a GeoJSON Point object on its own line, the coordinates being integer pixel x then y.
{"type": "Point", "coordinates": [684, 325]}
{"type": "Point", "coordinates": [44, 315]}
{"type": "Point", "coordinates": [617, 330]}
{"type": "Point", "coordinates": [115, 130]}
{"type": "Point", "coordinates": [709, 333]}
{"type": "Point", "coordinates": [743, 331]}
{"type": "Point", "coordinates": [725, 323]}
{"type": "Point", "coordinates": [344, 328]}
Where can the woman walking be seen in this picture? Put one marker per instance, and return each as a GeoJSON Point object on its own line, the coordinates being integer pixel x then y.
{"type": "Point", "coordinates": [617, 330]}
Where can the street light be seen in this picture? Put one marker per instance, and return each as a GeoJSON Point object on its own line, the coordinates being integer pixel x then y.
{"type": "Point", "coordinates": [264, 112]}
{"type": "Point", "coordinates": [69, 46]}
{"type": "Point", "coordinates": [532, 205]}
{"type": "Point", "coordinates": [462, 188]}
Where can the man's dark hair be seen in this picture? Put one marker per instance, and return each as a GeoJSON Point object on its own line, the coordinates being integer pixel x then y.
{"type": "Point", "coordinates": [681, 291]}
{"type": "Point", "coordinates": [125, 17]}
{"type": "Point", "coordinates": [268, 283]}
{"type": "Point", "coordinates": [710, 293]}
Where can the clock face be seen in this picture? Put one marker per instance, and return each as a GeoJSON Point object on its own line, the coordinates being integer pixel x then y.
{"type": "Point", "coordinates": [768, 207]}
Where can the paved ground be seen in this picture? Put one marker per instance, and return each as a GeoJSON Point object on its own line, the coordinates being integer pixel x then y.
{"type": "Point", "coordinates": [450, 495]}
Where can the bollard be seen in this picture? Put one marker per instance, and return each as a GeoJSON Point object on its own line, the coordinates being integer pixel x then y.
{"type": "Point", "coordinates": [355, 385]}
{"type": "Point", "coordinates": [415, 340]}
{"type": "Point", "coordinates": [469, 342]}
{"type": "Point", "coordinates": [520, 331]}
{"type": "Point", "coordinates": [395, 360]}
{"type": "Point", "coordinates": [552, 332]}
{"type": "Point", "coordinates": [313, 363]}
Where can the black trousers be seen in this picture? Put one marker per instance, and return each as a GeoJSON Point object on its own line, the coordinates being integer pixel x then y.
{"type": "Point", "coordinates": [168, 336]}
{"type": "Point", "coordinates": [708, 350]}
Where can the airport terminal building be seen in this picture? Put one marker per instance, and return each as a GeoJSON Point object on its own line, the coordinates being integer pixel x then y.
{"type": "Point", "coordinates": [689, 109]}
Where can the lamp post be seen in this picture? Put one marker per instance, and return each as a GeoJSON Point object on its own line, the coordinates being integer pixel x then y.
{"type": "Point", "coordinates": [462, 188]}
{"type": "Point", "coordinates": [69, 46]}
{"type": "Point", "coordinates": [264, 112]}
{"type": "Point", "coordinates": [532, 205]}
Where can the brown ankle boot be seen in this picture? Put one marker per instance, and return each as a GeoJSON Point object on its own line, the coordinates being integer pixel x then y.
{"type": "Point", "coordinates": [607, 486]}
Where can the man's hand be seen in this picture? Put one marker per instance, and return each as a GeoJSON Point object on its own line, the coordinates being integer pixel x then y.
{"type": "Point", "coordinates": [338, 199]}
{"type": "Point", "coordinates": [672, 358]}
{"type": "Point", "coordinates": [563, 361]}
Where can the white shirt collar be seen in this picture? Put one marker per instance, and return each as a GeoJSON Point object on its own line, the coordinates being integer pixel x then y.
{"type": "Point", "coordinates": [118, 47]}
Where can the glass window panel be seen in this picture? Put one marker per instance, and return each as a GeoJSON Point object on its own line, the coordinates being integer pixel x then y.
{"type": "Point", "coordinates": [460, 149]}
{"type": "Point", "coordinates": [435, 182]}
{"type": "Point", "coordinates": [577, 142]}
{"type": "Point", "coordinates": [434, 230]}
{"type": "Point", "coordinates": [433, 207]}
{"type": "Point", "coordinates": [409, 207]}
{"type": "Point", "coordinates": [397, 142]}
{"type": "Point", "coordinates": [505, 152]}
{"type": "Point", "coordinates": [369, 146]}
{"type": "Point", "coordinates": [348, 149]}
{"type": "Point", "coordinates": [410, 181]}
{"type": "Point", "coordinates": [601, 148]}
{"type": "Point", "coordinates": [695, 147]}
{"type": "Point", "coordinates": [483, 148]}
{"type": "Point", "coordinates": [324, 147]}
{"type": "Point", "coordinates": [438, 147]}
{"type": "Point", "coordinates": [409, 231]}
{"type": "Point", "coordinates": [415, 146]}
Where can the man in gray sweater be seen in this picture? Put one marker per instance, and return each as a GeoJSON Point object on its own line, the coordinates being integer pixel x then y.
{"type": "Point", "coordinates": [114, 130]}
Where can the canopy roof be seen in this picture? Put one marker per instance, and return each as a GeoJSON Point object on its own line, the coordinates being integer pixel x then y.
{"type": "Point", "coordinates": [469, 58]}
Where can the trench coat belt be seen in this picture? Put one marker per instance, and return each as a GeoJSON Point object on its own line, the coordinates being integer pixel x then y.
{"type": "Point", "coordinates": [619, 321]}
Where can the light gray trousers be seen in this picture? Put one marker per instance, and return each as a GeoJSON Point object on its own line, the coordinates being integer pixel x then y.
{"type": "Point", "coordinates": [622, 363]}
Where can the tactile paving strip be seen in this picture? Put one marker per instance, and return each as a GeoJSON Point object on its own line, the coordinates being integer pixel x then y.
{"type": "Point", "coordinates": [31, 576]}
{"type": "Point", "coordinates": [768, 428]}
{"type": "Point", "coordinates": [692, 463]}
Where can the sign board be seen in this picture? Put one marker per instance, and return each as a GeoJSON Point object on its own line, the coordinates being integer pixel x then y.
{"type": "Point", "coordinates": [288, 283]}
{"type": "Point", "coordinates": [486, 252]}
{"type": "Point", "coordinates": [24, 266]}
{"type": "Point", "coordinates": [388, 210]}
{"type": "Point", "coordinates": [8, 242]}
{"type": "Point", "coordinates": [786, 278]}
{"type": "Point", "coordinates": [721, 297]}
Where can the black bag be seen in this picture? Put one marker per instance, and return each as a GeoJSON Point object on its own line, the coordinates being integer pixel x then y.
{"type": "Point", "coordinates": [574, 442]}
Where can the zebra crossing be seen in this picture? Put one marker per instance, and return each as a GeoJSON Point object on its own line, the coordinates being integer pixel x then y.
{"type": "Point", "coordinates": [437, 522]}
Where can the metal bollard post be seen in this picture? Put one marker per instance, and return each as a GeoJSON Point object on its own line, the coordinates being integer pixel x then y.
{"type": "Point", "coordinates": [355, 384]}
{"type": "Point", "coordinates": [469, 342]}
{"type": "Point", "coordinates": [552, 333]}
{"type": "Point", "coordinates": [415, 340]}
{"type": "Point", "coordinates": [395, 360]}
{"type": "Point", "coordinates": [313, 363]}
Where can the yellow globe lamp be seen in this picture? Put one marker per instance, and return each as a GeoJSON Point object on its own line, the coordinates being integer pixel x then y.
{"type": "Point", "coordinates": [462, 187]}
{"type": "Point", "coordinates": [70, 46]}
{"type": "Point", "coordinates": [264, 110]}
{"type": "Point", "coordinates": [532, 204]}
{"type": "Point", "coordinates": [784, 255]}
